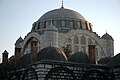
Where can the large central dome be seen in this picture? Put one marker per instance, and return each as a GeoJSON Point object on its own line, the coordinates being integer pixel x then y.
{"type": "Point", "coordinates": [62, 13]}
{"type": "Point", "coordinates": [63, 19]}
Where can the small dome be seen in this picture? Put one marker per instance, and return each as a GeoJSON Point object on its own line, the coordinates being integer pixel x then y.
{"type": "Point", "coordinates": [107, 36]}
{"type": "Point", "coordinates": [62, 13]}
{"type": "Point", "coordinates": [105, 60]}
{"type": "Point", "coordinates": [51, 53]}
{"type": "Point", "coordinates": [19, 41]}
{"type": "Point", "coordinates": [25, 60]}
{"type": "Point", "coordinates": [115, 60]}
{"type": "Point", "coordinates": [79, 57]}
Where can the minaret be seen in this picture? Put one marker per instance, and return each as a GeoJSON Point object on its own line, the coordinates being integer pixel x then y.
{"type": "Point", "coordinates": [5, 58]}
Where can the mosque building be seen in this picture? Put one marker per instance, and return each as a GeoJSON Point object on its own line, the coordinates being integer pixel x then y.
{"type": "Point", "coordinates": [60, 46]}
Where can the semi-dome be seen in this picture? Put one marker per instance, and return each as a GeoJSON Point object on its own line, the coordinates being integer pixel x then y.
{"type": "Point", "coordinates": [51, 53]}
{"type": "Point", "coordinates": [79, 57]}
{"type": "Point", "coordinates": [61, 13]}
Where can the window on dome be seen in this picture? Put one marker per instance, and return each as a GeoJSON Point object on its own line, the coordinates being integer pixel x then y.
{"type": "Point", "coordinates": [83, 25]}
{"type": "Point", "coordinates": [63, 23]}
{"type": "Point", "coordinates": [89, 41]}
{"type": "Point", "coordinates": [55, 23]}
{"type": "Point", "coordinates": [83, 40]}
{"type": "Point", "coordinates": [76, 40]}
{"type": "Point", "coordinates": [83, 49]}
{"type": "Point", "coordinates": [78, 24]}
{"type": "Point", "coordinates": [76, 49]}
{"type": "Point", "coordinates": [71, 24]}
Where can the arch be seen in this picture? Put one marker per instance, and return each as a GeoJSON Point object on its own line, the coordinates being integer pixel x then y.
{"type": "Point", "coordinates": [71, 24]}
{"type": "Point", "coordinates": [63, 23]}
{"type": "Point", "coordinates": [69, 40]}
{"type": "Point", "coordinates": [30, 73]}
{"type": "Point", "coordinates": [61, 71]}
{"type": "Point", "coordinates": [94, 75]}
{"type": "Point", "coordinates": [76, 49]}
{"type": "Point", "coordinates": [83, 40]}
{"type": "Point", "coordinates": [76, 40]}
{"type": "Point", "coordinates": [89, 41]}
{"type": "Point", "coordinates": [83, 49]}
{"type": "Point", "coordinates": [29, 37]}
{"type": "Point", "coordinates": [96, 51]}
{"type": "Point", "coordinates": [78, 24]}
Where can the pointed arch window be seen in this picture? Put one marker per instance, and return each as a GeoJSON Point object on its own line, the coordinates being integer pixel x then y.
{"type": "Point", "coordinates": [89, 41]}
{"type": "Point", "coordinates": [63, 23]}
{"type": "Point", "coordinates": [96, 51]}
{"type": "Point", "coordinates": [83, 49]}
{"type": "Point", "coordinates": [76, 40]}
{"type": "Point", "coordinates": [71, 24]}
{"type": "Point", "coordinates": [78, 24]}
{"type": "Point", "coordinates": [76, 49]}
{"type": "Point", "coordinates": [69, 40]}
{"type": "Point", "coordinates": [55, 23]}
{"type": "Point", "coordinates": [83, 40]}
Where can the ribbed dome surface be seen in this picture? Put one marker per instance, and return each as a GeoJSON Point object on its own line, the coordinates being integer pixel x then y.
{"type": "Point", "coordinates": [62, 13]}
{"type": "Point", "coordinates": [79, 57]}
{"type": "Point", "coordinates": [51, 53]}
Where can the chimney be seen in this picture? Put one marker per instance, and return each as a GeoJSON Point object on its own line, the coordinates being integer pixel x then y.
{"type": "Point", "coordinates": [34, 50]}
{"type": "Point", "coordinates": [17, 55]}
{"type": "Point", "coordinates": [5, 58]}
{"type": "Point", "coordinates": [92, 55]}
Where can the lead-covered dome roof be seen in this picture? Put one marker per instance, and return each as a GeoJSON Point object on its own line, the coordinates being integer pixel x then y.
{"type": "Point", "coordinates": [63, 19]}
{"type": "Point", "coordinates": [51, 53]}
{"type": "Point", "coordinates": [62, 13]}
{"type": "Point", "coordinates": [79, 57]}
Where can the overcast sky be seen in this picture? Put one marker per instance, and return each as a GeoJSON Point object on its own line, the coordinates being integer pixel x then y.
{"type": "Point", "coordinates": [17, 17]}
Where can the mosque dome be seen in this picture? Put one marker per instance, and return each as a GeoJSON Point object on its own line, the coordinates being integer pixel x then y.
{"type": "Point", "coordinates": [51, 53]}
{"type": "Point", "coordinates": [79, 57]}
{"type": "Point", "coordinates": [61, 13]}
{"type": "Point", "coordinates": [107, 36]}
{"type": "Point", "coordinates": [63, 19]}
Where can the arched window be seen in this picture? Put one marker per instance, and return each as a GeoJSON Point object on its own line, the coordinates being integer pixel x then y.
{"type": "Point", "coordinates": [83, 40]}
{"type": "Point", "coordinates": [63, 23]}
{"type": "Point", "coordinates": [69, 47]}
{"type": "Point", "coordinates": [47, 24]}
{"type": "Point", "coordinates": [55, 23]}
{"type": "Point", "coordinates": [78, 24]}
{"type": "Point", "coordinates": [89, 41]}
{"type": "Point", "coordinates": [83, 25]}
{"type": "Point", "coordinates": [69, 40]}
{"type": "Point", "coordinates": [71, 24]}
{"type": "Point", "coordinates": [76, 40]}
{"type": "Point", "coordinates": [96, 51]}
{"type": "Point", "coordinates": [83, 49]}
{"type": "Point", "coordinates": [76, 49]}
